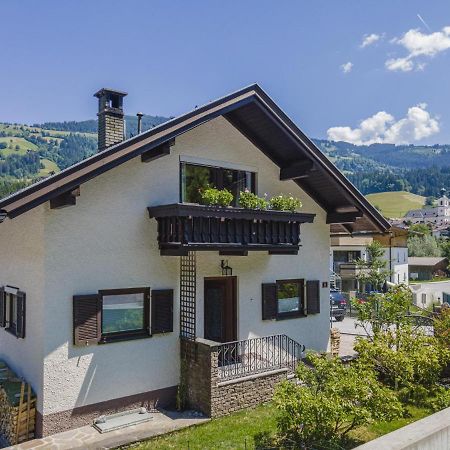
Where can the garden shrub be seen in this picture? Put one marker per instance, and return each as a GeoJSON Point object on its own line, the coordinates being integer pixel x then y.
{"type": "Point", "coordinates": [331, 400]}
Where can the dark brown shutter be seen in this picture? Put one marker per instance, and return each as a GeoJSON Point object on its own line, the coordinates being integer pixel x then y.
{"type": "Point", "coordinates": [20, 320]}
{"type": "Point", "coordinates": [313, 296]}
{"type": "Point", "coordinates": [87, 322]}
{"type": "Point", "coordinates": [269, 301]}
{"type": "Point", "coordinates": [162, 311]}
{"type": "Point", "coordinates": [2, 307]}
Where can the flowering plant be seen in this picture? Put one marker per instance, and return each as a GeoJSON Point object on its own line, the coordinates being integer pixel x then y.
{"type": "Point", "coordinates": [249, 200]}
{"type": "Point", "coordinates": [285, 203]}
{"type": "Point", "coordinates": [212, 196]}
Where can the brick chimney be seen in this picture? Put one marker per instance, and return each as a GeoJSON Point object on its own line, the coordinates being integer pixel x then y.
{"type": "Point", "coordinates": [111, 126]}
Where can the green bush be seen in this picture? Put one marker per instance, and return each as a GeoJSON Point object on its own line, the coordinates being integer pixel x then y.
{"type": "Point", "coordinates": [285, 203]}
{"type": "Point", "coordinates": [212, 196]}
{"type": "Point", "coordinates": [249, 200]}
{"type": "Point", "coordinates": [331, 400]}
{"type": "Point", "coordinates": [408, 360]}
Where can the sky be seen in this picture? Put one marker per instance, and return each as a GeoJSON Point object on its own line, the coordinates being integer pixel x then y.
{"type": "Point", "coordinates": [356, 70]}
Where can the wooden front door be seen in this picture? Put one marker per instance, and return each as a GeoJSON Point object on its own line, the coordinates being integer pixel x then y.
{"type": "Point", "coordinates": [221, 309]}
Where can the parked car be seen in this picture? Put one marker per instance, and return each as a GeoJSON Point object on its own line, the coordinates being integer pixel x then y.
{"type": "Point", "coordinates": [338, 305]}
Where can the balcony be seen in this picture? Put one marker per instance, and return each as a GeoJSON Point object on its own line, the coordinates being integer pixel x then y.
{"type": "Point", "coordinates": [350, 270]}
{"type": "Point", "coordinates": [184, 227]}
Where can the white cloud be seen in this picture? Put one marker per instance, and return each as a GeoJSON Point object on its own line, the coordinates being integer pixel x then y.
{"type": "Point", "coordinates": [419, 45]}
{"type": "Point", "coordinates": [383, 128]}
{"type": "Point", "coordinates": [369, 39]}
{"type": "Point", "coordinates": [347, 67]}
{"type": "Point", "coordinates": [402, 64]}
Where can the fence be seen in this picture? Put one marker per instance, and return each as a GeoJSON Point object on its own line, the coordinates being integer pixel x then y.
{"type": "Point", "coordinates": [252, 356]}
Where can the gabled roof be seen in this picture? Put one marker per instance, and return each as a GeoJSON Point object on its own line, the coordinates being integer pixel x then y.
{"type": "Point", "coordinates": [430, 261]}
{"type": "Point", "coordinates": [258, 118]}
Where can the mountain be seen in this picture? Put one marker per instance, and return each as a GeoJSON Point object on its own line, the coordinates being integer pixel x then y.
{"type": "Point", "coordinates": [90, 126]}
{"type": "Point", "coordinates": [420, 169]}
{"type": "Point", "coordinates": [28, 153]}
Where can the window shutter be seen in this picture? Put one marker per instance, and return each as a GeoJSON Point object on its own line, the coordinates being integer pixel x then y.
{"type": "Point", "coordinates": [162, 311]}
{"type": "Point", "coordinates": [313, 296]}
{"type": "Point", "coordinates": [2, 307]}
{"type": "Point", "coordinates": [20, 320]}
{"type": "Point", "coordinates": [269, 301]}
{"type": "Point", "coordinates": [87, 321]}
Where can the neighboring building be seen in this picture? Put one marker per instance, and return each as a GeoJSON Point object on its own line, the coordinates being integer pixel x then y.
{"type": "Point", "coordinates": [118, 286]}
{"type": "Point", "coordinates": [426, 295]}
{"type": "Point", "coordinates": [346, 250]}
{"type": "Point", "coordinates": [441, 231]}
{"type": "Point", "coordinates": [439, 215]}
{"type": "Point", "coordinates": [426, 267]}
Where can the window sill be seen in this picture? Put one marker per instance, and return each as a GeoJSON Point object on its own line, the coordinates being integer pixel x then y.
{"type": "Point", "coordinates": [108, 339]}
{"type": "Point", "coordinates": [290, 316]}
{"type": "Point", "coordinates": [12, 331]}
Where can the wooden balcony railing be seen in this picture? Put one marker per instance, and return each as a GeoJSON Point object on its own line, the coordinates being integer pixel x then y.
{"type": "Point", "coordinates": [186, 227]}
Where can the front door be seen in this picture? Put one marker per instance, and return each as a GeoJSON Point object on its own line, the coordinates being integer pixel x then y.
{"type": "Point", "coordinates": [220, 309]}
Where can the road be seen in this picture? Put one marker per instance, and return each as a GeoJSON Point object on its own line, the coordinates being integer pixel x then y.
{"type": "Point", "coordinates": [349, 333]}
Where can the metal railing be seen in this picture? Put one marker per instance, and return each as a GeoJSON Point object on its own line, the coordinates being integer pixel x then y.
{"type": "Point", "coordinates": [258, 355]}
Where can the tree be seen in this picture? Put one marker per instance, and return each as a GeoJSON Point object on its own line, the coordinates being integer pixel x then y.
{"type": "Point", "coordinates": [407, 359]}
{"type": "Point", "coordinates": [332, 400]}
{"type": "Point", "coordinates": [423, 246]}
{"type": "Point", "coordinates": [429, 201]}
{"type": "Point", "coordinates": [420, 228]}
{"type": "Point", "coordinates": [373, 271]}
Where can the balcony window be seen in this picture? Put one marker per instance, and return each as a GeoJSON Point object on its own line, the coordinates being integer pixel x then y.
{"type": "Point", "coordinates": [195, 177]}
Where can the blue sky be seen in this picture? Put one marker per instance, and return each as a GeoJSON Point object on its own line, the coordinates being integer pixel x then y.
{"type": "Point", "coordinates": [171, 56]}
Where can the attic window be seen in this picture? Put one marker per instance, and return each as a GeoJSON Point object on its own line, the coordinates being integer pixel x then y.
{"type": "Point", "coordinates": [195, 177]}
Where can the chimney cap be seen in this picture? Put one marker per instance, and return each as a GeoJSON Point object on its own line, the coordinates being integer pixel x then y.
{"type": "Point", "coordinates": [105, 91]}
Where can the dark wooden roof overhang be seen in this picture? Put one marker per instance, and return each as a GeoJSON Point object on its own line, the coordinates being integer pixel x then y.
{"type": "Point", "coordinates": [258, 118]}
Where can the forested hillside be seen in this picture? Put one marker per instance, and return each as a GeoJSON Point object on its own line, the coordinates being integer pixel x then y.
{"type": "Point", "coordinates": [28, 153]}
{"type": "Point", "coordinates": [422, 170]}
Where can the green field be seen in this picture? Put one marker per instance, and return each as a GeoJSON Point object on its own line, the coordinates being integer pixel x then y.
{"type": "Point", "coordinates": [12, 141]}
{"type": "Point", "coordinates": [396, 204]}
{"type": "Point", "coordinates": [49, 166]}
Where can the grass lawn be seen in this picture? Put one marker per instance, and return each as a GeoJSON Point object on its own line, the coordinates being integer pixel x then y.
{"type": "Point", "coordinates": [49, 166]}
{"type": "Point", "coordinates": [238, 431]}
{"type": "Point", "coordinates": [396, 204]}
{"type": "Point", "coordinates": [23, 144]}
{"type": "Point", "coordinates": [235, 431]}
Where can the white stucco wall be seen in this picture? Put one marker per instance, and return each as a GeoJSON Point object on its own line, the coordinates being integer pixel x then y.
{"type": "Point", "coordinates": [22, 265]}
{"type": "Point", "coordinates": [108, 241]}
{"type": "Point", "coordinates": [397, 258]}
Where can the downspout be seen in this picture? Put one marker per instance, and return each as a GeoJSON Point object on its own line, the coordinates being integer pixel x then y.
{"type": "Point", "coordinates": [390, 258]}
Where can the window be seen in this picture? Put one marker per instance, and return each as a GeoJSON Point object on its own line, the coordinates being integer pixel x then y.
{"type": "Point", "coordinates": [12, 310]}
{"type": "Point", "coordinates": [290, 298]}
{"type": "Point", "coordinates": [196, 177]}
{"type": "Point", "coordinates": [125, 312]}
{"type": "Point", "coordinates": [121, 314]}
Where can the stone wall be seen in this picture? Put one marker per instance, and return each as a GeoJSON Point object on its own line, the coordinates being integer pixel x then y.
{"type": "Point", "coordinates": [203, 390]}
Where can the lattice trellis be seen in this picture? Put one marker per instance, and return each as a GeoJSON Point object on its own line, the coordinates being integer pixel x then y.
{"type": "Point", "coordinates": [188, 287]}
